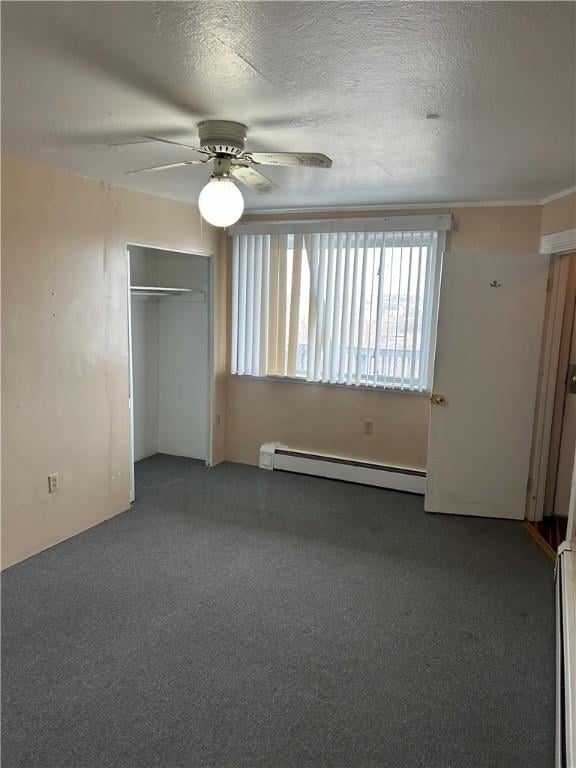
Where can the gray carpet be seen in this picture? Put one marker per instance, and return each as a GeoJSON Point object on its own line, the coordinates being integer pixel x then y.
{"type": "Point", "coordinates": [238, 618]}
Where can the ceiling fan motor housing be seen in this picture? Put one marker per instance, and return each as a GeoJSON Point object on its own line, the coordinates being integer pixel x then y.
{"type": "Point", "coordinates": [222, 137]}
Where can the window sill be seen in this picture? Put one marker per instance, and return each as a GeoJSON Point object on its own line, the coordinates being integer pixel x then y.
{"type": "Point", "coordinates": [349, 387]}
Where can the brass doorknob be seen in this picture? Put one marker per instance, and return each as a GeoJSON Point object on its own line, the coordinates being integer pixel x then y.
{"type": "Point", "coordinates": [437, 399]}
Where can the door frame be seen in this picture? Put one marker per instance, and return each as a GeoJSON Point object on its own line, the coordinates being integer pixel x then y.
{"type": "Point", "coordinates": [210, 367]}
{"type": "Point", "coordinates": [130, 379]}
{"type": "Point", "coordinates": [557, 245]}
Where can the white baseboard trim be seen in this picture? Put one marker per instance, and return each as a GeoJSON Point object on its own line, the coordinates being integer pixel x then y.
{"type": "Point", "coordinates": [279, 457]}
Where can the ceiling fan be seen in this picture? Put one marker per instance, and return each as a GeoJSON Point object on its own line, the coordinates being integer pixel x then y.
{"type": "Point", "coordinates": [223, 141]}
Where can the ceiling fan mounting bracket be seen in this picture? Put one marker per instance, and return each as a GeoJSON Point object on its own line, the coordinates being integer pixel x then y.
{"type": "Point", "coordinates": [222, 167]}
{"type": "Point", "coordinates": [223, 138]}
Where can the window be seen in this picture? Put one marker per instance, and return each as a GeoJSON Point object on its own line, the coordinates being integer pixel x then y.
{"type": "Point", "coordinates": [354, 308]}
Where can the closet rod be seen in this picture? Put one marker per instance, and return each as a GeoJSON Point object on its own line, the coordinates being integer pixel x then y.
{"type": "Point", "coordinates": [155, 290]}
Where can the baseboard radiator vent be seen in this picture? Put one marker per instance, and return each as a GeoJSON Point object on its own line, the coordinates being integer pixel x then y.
{"type": "Point", "coordinates": [279, 457]}
{"type": "Point", "coordinates": [566, 655]}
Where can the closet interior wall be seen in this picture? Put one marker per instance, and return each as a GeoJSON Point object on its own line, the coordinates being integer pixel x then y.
{"type": "Point", "coordinates": [170, 354]}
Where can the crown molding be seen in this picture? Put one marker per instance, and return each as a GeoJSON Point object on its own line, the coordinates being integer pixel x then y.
{"type": "Point", "coordinates": [388, 207]}
{"type": "Point", "coordinates": [411, 206]}
{"type": "Point", "coordinates": [558, 195]}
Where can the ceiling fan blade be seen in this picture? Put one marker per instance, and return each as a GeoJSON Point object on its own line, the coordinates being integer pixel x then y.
{"type": "Point", "coordinates": [177, 144]}
{"type": "Point", "coordinates": [126, 143]}
{"type": "Point", "coordinates": [253, 179]}
{"type": "Point", "coordinates": [306, 159]}
{"type": "Point", "coordinates": [166, 165]}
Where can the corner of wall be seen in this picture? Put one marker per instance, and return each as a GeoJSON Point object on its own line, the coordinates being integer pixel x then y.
{"type": "Point", "coordinates": [558, 215]}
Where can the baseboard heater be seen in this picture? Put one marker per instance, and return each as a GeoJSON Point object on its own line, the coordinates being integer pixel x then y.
{"type": "Point", "coordinates": [566, 655]}
{"type": "Point", "coordinates": [279, 457]}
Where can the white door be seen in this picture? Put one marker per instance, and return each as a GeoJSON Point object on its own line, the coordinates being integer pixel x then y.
{"type": "Point", "coordinates": [486, 368]}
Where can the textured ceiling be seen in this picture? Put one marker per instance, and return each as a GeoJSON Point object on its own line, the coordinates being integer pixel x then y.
{"type": "Point", "coordinates": [354, 80]}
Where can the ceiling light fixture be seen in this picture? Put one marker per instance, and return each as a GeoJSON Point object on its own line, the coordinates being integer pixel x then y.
{"type": "Point", "coordinates": [221, 203]}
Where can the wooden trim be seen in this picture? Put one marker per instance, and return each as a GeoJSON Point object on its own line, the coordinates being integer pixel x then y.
{"type": "Point", "coordinates": [565, 333]}
{"type": "Point", "coordinates": [540, 540]}
{"type": "Point", "coordinates": [559, 270]}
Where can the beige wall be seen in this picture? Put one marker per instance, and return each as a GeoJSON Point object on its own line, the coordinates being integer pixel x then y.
{"type": "Point", "coordinates": [329, 419]}
{"type": "Point", "coordinates": [505, 229]}
{"type": "Point", "coordinates": [65, 366]}
{"type": "Point", "coordinates": [326, 420]}
{"type": "Point", "coordinates": [65, 353]}
{"type": "Point", "coordinates": [559, 215]}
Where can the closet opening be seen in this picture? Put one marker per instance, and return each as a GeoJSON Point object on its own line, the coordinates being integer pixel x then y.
{"type": "Point", "coordinates": [169, 332]}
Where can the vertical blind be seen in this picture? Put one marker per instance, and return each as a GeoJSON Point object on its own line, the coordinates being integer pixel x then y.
{"type": "Point", "coordinates": [354, 308]}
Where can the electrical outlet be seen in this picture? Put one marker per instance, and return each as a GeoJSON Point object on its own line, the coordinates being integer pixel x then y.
{"type": "Point", "coordinates": [53, 482]}
{"type": "Point", "coordinates": [368, 427]}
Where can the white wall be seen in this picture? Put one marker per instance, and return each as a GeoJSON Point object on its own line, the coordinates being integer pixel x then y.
{"type": "Point", "coordinates": [183, 378]}
{"type": "Point", "coordinates": [144, 322]}
{"type": "Point", "coordinates": [145, 376]}
{"type": "Point", "coordinates": [143, 265]}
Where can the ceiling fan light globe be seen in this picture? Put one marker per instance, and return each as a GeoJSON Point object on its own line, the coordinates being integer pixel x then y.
{"type": "Point", "coordinates": [221, 203]}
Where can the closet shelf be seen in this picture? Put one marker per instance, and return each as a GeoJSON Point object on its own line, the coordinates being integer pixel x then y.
{"type": "Point", "coordinates": [157, 291]}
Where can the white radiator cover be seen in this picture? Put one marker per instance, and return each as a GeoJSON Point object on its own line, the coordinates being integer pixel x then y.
{"type": "Point", "coordinates": [280, 457]}
{"type": "Point", "coordinates": [566, 655]}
